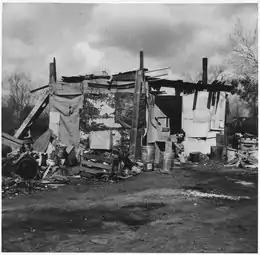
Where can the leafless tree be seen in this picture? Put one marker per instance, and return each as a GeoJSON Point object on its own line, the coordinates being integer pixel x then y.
{"type": "Point", "coordinates": [244, 46]}
{"type": "Point", "coordinates": [214, 73]}
{"type": "Point", "coordinates": [245, 60]}
{"type": "Point", "coordinates": [19, 98]}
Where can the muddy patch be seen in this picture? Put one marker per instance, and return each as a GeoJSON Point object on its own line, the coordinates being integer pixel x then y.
{"type": "Point", "coordinates": [98, 220]}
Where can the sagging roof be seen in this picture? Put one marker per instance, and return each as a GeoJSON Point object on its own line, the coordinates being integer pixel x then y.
{"type": "Point", "coordinates": [113, 82]}
{"type": "Point", "coordinates": [188, 86]}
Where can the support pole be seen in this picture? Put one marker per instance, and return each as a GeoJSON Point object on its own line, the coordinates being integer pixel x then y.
{"type": "Point", "coordinates": [135, 121]}
{"type": "Point", "coordinates": [205, 70]}
{"type": "Point", "coordinates": [54, 70]}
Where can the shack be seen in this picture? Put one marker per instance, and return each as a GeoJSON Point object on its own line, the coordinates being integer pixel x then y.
{"type": "Point", "coordinates": [197, 108]}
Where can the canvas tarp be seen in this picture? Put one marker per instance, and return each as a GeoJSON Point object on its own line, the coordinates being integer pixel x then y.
{"type": "Point", "coordinates": [68, 109]}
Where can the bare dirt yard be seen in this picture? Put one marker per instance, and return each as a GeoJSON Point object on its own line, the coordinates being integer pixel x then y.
{"type": "Point", "coordinates": [147, 213]}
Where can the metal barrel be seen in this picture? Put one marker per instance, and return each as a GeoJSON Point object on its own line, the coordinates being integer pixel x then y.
{"type": "Point", "coordinates": [27, 167]}
{"type": "Point", "coordinates": [148, 156]}
{"type": "Point", "coordinates": [168, 161]}
{"type": "Point", "coordinates": [231, 154]}
{"type": "Point", "coordinates": [62, 152]}
{"type": "Point", "coordinates": [148, 153]}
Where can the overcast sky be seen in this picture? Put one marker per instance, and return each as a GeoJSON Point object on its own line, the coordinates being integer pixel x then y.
{"type": "Point", "coordinates": [87, 38]}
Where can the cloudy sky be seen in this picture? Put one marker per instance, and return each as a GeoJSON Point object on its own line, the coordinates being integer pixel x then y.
{"type": "Point", "coordinates": [87, 38]}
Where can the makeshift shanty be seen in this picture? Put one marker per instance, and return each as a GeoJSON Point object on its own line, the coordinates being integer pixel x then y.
{"type": "Point", "coordinates": [197, 109]}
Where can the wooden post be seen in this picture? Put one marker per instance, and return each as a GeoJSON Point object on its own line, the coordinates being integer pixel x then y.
{"type": "Point", "coordinates": [54, 70]}
{"type": "Point", "coordinates": [225, 122]}
{"type": "Point", "coordinates": [141, 60]}
{"type": "Point", "coordinates": [204, 70]}
{"type": "Point", "coordinates": [135, 121]}
{"type": "Point", "coordinates": [52, 73]}
{"type": "Point", "coordinates": [205, 79]}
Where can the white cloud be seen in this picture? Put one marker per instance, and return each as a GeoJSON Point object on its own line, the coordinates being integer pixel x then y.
{"type": "Point", "coordinates": [86, 38]}
{"type": "Point", "coordinates": [91, 58]}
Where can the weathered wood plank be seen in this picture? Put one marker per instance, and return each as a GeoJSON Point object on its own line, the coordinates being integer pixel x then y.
{"type": "Point", "coordinates": [33, 115]}
{"type": "Point", "coordinates": [97, 157]}
{"type": "Point", "coordinates": [11, 141]}
{"type": "Point", "coordinates": [95, 165]}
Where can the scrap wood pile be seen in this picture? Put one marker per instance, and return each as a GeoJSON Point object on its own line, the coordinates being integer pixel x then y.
{"type": "Point", "coordinates": [104, 161]}
{"type": "Point", "coordinates": [109, 165]}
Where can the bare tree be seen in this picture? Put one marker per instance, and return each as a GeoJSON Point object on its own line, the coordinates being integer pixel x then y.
{"type": "Point", "coordinates": [245, 60]}
{"type": "Point", "coordinates": [214, 73]}
{"type": "Point", "coordinates": [19, 98]}
{"type": "Point", "coordinates": [244, 46]}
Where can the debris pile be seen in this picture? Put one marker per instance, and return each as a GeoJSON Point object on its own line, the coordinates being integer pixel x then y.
{"type": "Point", "coordinates": [244, 151]}
{"type": "Point", "coordinates": [108, 165]}
{"type": "Point", "coordinates": [50, 166]}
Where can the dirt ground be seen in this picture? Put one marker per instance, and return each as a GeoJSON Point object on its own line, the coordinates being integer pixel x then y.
{"type": "Point", "coordinates": [147, 213]}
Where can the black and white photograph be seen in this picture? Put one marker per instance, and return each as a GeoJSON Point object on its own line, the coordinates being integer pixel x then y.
{"type": "Point", "coordinates": [129, 127]}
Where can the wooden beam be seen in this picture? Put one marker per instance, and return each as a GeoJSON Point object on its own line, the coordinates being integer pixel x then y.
{"type": "Point", "coordinates": [135, 120]}
{"type": "Point", "coordinates": [141, 60]}
{"type": "Point", "coordinates": [205, 79]}
{"type": "Point", "coordinates": [204, 70]}
{"type": "Point", "coordinates": [11, 141]}
{"type": "Point", "coordinates": [52, 73]}
{"type": "Point", "coordinates": [33, 115]}
{"type": "Point", "coordinates": [225, 122]}
{"type": "Point", "coordinates": [40, 88]}
{"type": "Point", "coordinates": [195, 100]}
{"type": "Point", "coordinates": [54, 70]}
{"type": "Point", "coordinates": [158, 69]}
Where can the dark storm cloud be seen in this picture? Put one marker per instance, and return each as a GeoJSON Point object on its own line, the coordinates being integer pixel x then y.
{"type": "Point", "coordinates": [227, 10]}
{"type": "Point", "coordinates": [157, 40]}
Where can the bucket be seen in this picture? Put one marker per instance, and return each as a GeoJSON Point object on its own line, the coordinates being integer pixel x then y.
{"type": "Point", "coordinates": [166, 161]}
{"type": "Point", "coordinates": [148, 167]}
{"type": "Point", "coordinates": [148, 155]}
{"type": "Point", "coordinates": [216, 152]}
{"type": "Point", "coordinates": [195, 157]}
